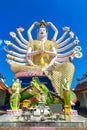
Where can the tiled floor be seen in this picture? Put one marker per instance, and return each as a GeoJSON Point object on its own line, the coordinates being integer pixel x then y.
{"type": "Point", "coordinates": [40, 128]}
{"type": "Point", "coordinates": [12, 118]}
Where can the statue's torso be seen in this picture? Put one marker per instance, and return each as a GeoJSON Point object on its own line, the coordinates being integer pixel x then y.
{"type": "Point", "coordinates": [36, 45]}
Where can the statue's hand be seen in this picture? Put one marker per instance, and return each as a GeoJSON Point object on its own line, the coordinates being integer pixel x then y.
{"type": "Point", "coordinates": [8, 43]}
{"type": "Point", "coordinates": [36, 23]}
{"type": "Point", "coordinates": [67, 29]}
{"type": "Point", "coordinates": [20, 29]}
{"type": "Point", "coordinates": [13, 35]}
{"type": "Point", "coordinates": [9, 61]}
{"type": "Point", "coordinates": [76, 41]}
{"type": "Point", "coordinates": [77, 48]}
{"type": "Point", "coordinates": [77, 54]}
{"type": "Point", "coordinates": [6, 50]}
{"type": "Point", "coordinates": [71, 34]}
{"type": "Point", "coordinates": [48, 23]}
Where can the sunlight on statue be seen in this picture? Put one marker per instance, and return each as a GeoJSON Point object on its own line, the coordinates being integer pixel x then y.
{"type": "Point", "coordinates": [43, 54]}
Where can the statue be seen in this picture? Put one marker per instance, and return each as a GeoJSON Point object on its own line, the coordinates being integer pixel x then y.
{"type": "Point", "coordinates": [44, 95]}
{"type": "Point", "coordinates": [49, 56]}
{"type": "Point", "coordinates": [66, 92]}
{"type": "Point", "coordinates": [15, 97]}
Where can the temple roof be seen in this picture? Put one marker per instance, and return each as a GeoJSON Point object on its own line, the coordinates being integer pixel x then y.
{"type": "Point", "coordinates": [3, 86]}
{"type": "Point", "coordinates": [81, 87]}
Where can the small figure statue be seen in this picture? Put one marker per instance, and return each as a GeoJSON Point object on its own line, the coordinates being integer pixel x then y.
{"type": "Point", "coordinates": [15, 97]}
{"type": "Point", "coordinates": [66, 92]}
{"type": "Point", "coordinates": [45, 96]}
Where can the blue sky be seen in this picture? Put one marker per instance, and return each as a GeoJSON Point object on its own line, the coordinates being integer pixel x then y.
{"type": "Point", "coordinates": [16, 13]}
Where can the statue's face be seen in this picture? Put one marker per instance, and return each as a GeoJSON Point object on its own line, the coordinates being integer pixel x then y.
{"type": "Point", "coordinates": [42, 33]}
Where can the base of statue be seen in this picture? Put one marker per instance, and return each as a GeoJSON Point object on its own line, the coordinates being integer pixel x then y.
{"type": "Point", "coordinates": [14, 112]}
{"type": "Point", "coordinates": [26, 77]}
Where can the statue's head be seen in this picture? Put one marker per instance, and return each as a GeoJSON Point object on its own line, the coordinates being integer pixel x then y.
{"type": "Point", "coordinates": [42, 31]}
{"type": "Point", "coordinates": [16, 84]}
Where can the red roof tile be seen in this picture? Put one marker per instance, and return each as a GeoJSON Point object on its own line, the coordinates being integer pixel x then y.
{"type": "Point", "coordinates": [81, 87]}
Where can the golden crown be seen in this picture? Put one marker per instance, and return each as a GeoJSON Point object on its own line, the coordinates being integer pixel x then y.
{"type": "Point", "coordinates": [42, 23]}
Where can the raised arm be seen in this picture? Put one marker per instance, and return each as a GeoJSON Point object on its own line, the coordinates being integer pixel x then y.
{"type": "Point", "coordinates": [16, 58]}
{"type": "Point", "coordinates": [13, 35]}
{"type": "Point", "coordinates": [65, 54]}
{"type": "Point", "coordinates": [19, 30]}
{"type": "Point", "coordinates": [8, 43]}
{"type": "Point", "coordinates": [75, 42]}
{"type": "Point", "coordinates": [9, 61]}
{"type": "Point", "coordinates": [66, 41]}
{"type": "Point", "coordinates": [55, 30]}
{"type": "Point", "coordinates": [31, 28]}
{"type": "Point", "coordinates": [66, 29]}
{"type": "Point", "coordinates": [15, 53]}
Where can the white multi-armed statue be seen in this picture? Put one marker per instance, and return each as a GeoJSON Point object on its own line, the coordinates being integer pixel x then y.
{"type": "Point", "coordinates": [43, 54]}
{"type": "Point", "coordinates": [28, 52]}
